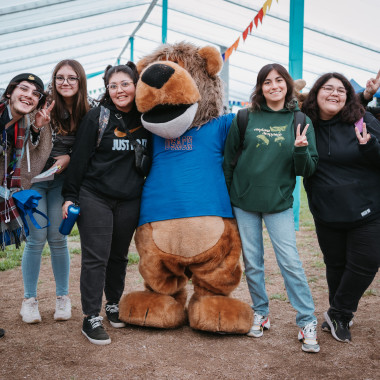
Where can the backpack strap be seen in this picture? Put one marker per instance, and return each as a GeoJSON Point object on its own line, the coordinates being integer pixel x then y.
{"type": "Point", "coordinates": [242, 122]}
{"type": "Point", "coordinates": [299, 118]}
{"type": "Point", "coordinates": [103, 122]}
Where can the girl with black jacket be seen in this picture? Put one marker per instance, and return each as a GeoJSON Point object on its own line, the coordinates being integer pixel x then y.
{"type": "Point", "coordinates": [344, 197]}
{"type": "Point", "coordinates": [103, 179]}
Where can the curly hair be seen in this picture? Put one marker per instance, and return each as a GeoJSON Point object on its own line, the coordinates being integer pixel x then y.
{"type": "Point", "coordinates": [257, 97]}
{"type": "Point", "coordinates": [129, 68]}
{"type": "Point", "coordinates": [352, 110]}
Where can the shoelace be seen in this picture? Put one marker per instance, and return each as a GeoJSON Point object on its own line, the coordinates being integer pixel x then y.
{"type": "Point", "coordinates": [258, 319]}
{"type": "Point", "coordinates": [33, 306]}
{"type": "Point", "coordinates": [113, 308]}
{"type": "Point", "coordinates": [310, 330]}
{"type": "Point", "coordinates": [61, 303]}
{"type": "Point", "coordinates": [96, 321]}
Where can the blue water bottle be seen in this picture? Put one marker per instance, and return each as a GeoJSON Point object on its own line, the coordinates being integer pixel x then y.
{"type": "Point", "coordinates": [67, 224]}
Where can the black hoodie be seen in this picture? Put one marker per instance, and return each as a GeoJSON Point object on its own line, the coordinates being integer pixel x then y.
{"type": "Point", "coordinates": [108, 170]}
{"type": "Point", "coordinates": [345, 188]}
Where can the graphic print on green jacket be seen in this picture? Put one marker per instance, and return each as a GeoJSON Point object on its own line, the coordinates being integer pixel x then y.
{"type": "Point", "coordinates": [265, 174]}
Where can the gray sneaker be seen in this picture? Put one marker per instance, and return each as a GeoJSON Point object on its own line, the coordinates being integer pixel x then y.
{"type": "Point", "coordinates": [260, 323]}
{"type": "Point", "coordinates": [308, 336]}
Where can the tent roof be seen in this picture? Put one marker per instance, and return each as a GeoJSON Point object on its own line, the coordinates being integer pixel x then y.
{"type": "Point", "coordinates": [35, 35]}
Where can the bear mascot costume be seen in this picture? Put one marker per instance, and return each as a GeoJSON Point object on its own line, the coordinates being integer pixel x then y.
{"type": "Point", "coordinates": [186, 228]}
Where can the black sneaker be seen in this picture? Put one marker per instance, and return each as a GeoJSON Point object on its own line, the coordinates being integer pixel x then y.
{"type": "Point", "coordinates": [2, 333]}
{"type": "Point", "coordinates": [340, 330]}
{"type": "Point", "coordinates": [112, 312]}
{"type": "Point", "coordinates": [325, 326]}
{"type": "Point", "coordinates": [94, 331]}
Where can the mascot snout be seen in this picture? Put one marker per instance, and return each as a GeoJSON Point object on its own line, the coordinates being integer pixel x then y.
{"type": "Point", "coordinates": [172, 99]}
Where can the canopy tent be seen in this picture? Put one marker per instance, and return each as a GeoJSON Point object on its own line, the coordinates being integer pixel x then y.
{"type": "Point", "coordinates": [35, 35]}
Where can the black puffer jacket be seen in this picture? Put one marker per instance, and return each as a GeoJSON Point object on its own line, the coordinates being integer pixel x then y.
{"type": "Point", "coordinates": [345, 189]}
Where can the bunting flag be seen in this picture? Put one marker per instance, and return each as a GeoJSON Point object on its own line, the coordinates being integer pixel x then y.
{"type": "Point", "coordinates": [248, 30]}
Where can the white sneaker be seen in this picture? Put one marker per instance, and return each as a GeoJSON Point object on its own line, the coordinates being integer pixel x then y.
{"type": "Point", "coordinates": [29, 311]}
{"type": "Point", "coordinates": [62, 308]}
{"type": "Point", "coordinates": [308, 336]}
{"type": "Point", "coordinates": [260, 323]}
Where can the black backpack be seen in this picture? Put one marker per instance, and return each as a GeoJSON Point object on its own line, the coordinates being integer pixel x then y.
{"type": "Point", "coordinates": [242, 122]}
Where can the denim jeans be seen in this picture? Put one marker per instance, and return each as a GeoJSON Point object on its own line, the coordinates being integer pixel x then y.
{"type": "Point", "coordinates": [51, 205]}
{"type": "Point", "coordinates": [106, 227]}
{"type": "Point", "coordinates": [281, 231]}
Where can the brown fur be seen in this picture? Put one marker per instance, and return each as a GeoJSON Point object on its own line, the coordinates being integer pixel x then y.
{"type": "Point", "coordinates": [299, 84]}
{"type": "Point", "coordinates": [179, 89]}
{"type": "Point", "coordinates": [173, 251]}
{"type": "Point", "coordinates": [215, 272]}
{"type": "Point", "coordinates": [202, 64]}
{"type": "Point", "coordinates": [172, 236]}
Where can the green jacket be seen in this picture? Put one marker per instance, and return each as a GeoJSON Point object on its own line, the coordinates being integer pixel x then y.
{"type": "Point", "coordinates": [265, 175]}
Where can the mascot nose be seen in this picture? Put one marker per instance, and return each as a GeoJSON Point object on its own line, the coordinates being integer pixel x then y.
{"type": "Point", "coordinates": [157, 75]}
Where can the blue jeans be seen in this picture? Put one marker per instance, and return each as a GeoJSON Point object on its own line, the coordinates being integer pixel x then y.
{"type": "Point", "coordinates": [51, 205]}
{"type": "Point", "coordinates": [281, 231]}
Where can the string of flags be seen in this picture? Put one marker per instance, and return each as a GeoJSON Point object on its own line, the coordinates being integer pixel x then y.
{"type": "Point", "coordinates": [259, 17]}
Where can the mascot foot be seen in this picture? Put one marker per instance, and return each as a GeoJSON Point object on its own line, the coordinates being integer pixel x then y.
{"type": "Point", "coordinates": [220, 314]}
{"type": "Point", "coordinates": [151, 309]}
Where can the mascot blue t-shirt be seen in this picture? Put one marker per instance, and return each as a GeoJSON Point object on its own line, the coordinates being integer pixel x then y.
{"type": "Point", "coordinates": [182, 169]}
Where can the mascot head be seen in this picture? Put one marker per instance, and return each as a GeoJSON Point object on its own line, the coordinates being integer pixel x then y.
{"type": "Point", "coordinates": [179, 88]}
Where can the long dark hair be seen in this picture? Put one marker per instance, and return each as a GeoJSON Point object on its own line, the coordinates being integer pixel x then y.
{"type": "Point", "coordinates": [352, 110]}
{"type": "Point", "coordinates": [80, 103]}
{"type": "Point", "coordinates": [257, 97]}
{"type": "Point", "coordinates": [129, 68]}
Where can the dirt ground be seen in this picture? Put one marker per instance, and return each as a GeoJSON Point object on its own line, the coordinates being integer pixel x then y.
{"type": "Point", "coordinates": [58, 350]}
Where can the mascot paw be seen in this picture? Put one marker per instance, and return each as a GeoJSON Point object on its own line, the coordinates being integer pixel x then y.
{"type": "Point", "coordinates": [220, 314]}
{"type": "Point", "coordinates": [151, 309]}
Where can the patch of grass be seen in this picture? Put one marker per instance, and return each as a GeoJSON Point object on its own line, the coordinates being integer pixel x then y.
{"type": "Point", "coordinates": [278, 296]}
{"type": "Point", "coordinates": [318, 264]}
{"type": "Point", "coordinates": [313, 279]}
{"type": "Point", "coordinates": [11, 257]}
{"type": "Point", "coordinates": [74, 231]}
{"type": "Point", "coordinates": [75, 251]}
{"type": "Point", "coordinates": [133, 258]}
{"type": "Point", "coordinates": [370, 292]}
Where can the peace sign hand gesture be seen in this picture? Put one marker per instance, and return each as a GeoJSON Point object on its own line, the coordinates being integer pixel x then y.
{"type": "Point", "coordinates": [371, 87]}
{"type": "Point", "coordinates": [43, 115]}
{"type": "Point", "coordinates": [301, 139]}
{"type": "Point", "coordinates": [363, 139]}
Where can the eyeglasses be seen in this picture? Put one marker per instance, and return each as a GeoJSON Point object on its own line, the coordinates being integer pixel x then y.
{"type": "Point", "coordinates": [59, 79]}
{"type": "Point", "coordinates": [330, 89]}
{"type": "Point", "coordinates": [25, 89]}
{"type": "Point", "coordinates": [124, 86]}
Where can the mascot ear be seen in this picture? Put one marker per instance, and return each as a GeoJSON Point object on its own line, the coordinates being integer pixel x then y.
{"type": "Point", "coordinates": [141, 65]}
{"type": "Point", "coordinates": [299, 84]}
{"type": "Point", "coordinates": [213, 59]}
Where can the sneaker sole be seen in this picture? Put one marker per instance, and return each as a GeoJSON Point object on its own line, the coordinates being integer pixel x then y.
{"type": "Point", "coordinates": [333, 333]}
{"type": "Point", "coordinates": [309, 348]}
{"type": "Point", "coordinates": [117, 325]}
{"type": "Point", "coordinates": [62, 318]}
{"type": "Point", "coordinates": [31, 321]}
{"type": "Point", "coordinates": [98, 342]}
{"type": "Point", "coordinates": [260, 333]}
